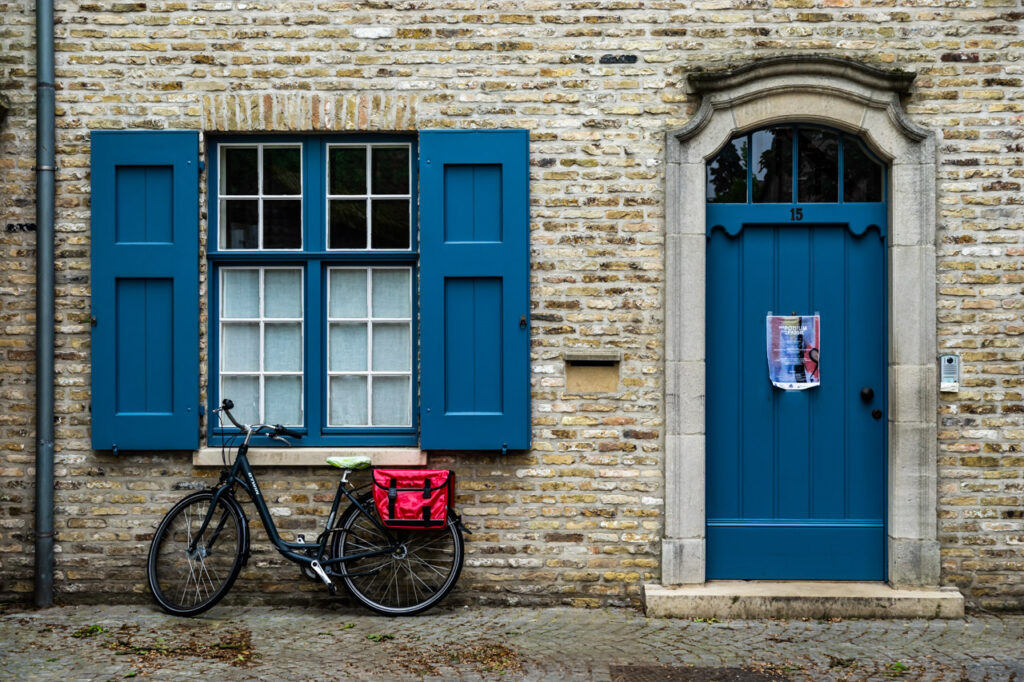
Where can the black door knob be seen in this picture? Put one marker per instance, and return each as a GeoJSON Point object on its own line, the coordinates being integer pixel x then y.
{"type": "Point", "coordinates": [866, 394]}
{"type": "Point", "coordinates": [877, 414]}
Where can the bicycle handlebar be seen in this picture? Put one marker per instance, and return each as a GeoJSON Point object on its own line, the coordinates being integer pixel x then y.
{"type": "Point", "coordinates": [226, 406]}
{"type": "Point", "coordinates": [282, 431]}
{"type": "Point", "coordinates": [278, 430]}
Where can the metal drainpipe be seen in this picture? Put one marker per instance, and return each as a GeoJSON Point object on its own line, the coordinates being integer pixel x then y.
{"type": "Point", "coordinates": [45, 199]}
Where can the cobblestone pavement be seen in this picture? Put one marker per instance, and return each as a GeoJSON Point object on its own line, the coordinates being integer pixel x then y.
{"type": "Point", "coordinates": [474, 643]}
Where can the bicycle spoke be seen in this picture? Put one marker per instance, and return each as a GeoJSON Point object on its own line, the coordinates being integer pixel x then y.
{"type": "Point", "coordinates": [394, 584]}
{"type": "Point", "coordinates": [433, 542]}
{"type": "Point", "coordinates": [184, 586]}
{"type": "Point", "coordinates": [427, 565]}
{"type": "Point", "coordinates": [364, 545]}
{"type": "Point", "coordinates": [435, 549]}
{"type": "Point", "coordinates": [414, 578]}
{"type": "Point", "coordinates": [374, 577]}
{"type": "Point", "coordinates": [211, 581]}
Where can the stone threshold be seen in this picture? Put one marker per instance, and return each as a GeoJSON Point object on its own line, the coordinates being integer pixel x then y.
{"type": "Point", "coordinates": [800, 599]}
{"type": "Point", "coordinates": [286, 457]}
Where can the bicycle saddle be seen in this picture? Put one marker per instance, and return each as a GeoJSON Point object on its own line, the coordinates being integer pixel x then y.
{"type": "Point", "coordinates": [354, 462]}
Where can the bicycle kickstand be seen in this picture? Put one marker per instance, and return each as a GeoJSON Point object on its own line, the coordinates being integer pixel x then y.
{"type": "Point", "coordinates": [319, 570]}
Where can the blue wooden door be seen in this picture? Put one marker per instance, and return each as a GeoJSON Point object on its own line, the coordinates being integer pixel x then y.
{"type": "Point", "coordinates": [796, 480]}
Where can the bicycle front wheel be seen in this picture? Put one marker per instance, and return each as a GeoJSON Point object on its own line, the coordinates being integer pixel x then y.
{"type": "Point", "coordinates": [409, 578]}
{"type": "Point", "coordinates": [186, 583]}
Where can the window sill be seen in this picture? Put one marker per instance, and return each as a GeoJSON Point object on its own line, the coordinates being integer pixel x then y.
{"type": "Point", "coordinates": [279, 457]}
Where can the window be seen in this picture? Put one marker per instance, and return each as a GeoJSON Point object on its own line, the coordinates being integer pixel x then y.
{"type": "Point", "coordinates": [365, 290]}
{"type": "Point", "coordinates": [764, 167]}
{"type": "Point", "coordinates": [261, 343]}
{"type": "Point", "coordinates": [261, 197]}
{"type": "Point", "coordinates": [314, 266]}
{"type": "Point", "coordinates": [369, 318]}
{"type": "Point", "coordinates": [368, 194]}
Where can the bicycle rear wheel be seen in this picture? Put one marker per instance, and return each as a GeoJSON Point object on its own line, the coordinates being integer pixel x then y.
{"type": "Point", "coordinates": [404, 581]}
{"type": "Point", "coordinates": [184, 583]}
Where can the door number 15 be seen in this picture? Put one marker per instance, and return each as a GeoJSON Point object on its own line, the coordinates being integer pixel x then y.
{"type": "Point", "coordinates": [796, 214]}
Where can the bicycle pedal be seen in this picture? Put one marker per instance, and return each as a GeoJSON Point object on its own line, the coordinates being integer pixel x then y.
{"type": "Point", "coordinates": [319, 570]}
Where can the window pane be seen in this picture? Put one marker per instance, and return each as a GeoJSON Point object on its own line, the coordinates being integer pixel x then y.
{"type": "Point", "coordinates": [390, 170]}
{"type": "Point", "coordinates": [818, 159]}
{"type": "Point", "coordinates": [391, 401]}
{"type": "Point", "coordinates": [862, 175]}
{"type": "Point", "coordinates": [283, 400]}
{"type": "Point", "coordinates": [282, 170]}
{"type": "Point", "coordinates": [390, 224]}
{"type": "Point", "coordinates": [239, 173]}
{"type": "Point", "coordinates": [727, 174]}
{"type": "Point", "coordinates": [241, 224]}
{"type": "Point", "coordinates": [282, 224]}
{"type": "Point", "coordinates": [240, 347]}
{"type": "Point", "coordinates": [391, 349]}
{"type": "Point", "coordinates": [347, 170]}
{"type": "Point", "coordinates": [240, 295]}
{"type": "Point", "coordinates": [347, 348]}
{"type": "Point", "coordinates": [347, 293]}
{"type": "Point", "coordinates": [771, 159]}
{"type": "Point", "coordinates": [348, 401]}
{"type": "Point", "coordinates": [283, 347]}
{"type": "Point", "coordinates": [391, 293]}
{"type": "Point", "coordinates": [245, 393]}
{"type": "Point", "coordinates": [348, 225]}
{"type": "Point", "coordinates": [282, 293]}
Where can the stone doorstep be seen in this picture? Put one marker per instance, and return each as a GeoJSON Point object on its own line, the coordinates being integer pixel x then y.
{"type": "Point", "coordinates": [800, 599]}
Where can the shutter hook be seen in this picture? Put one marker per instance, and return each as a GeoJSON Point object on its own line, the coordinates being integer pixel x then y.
{"type": "Point", "coordinates": [522, 321]}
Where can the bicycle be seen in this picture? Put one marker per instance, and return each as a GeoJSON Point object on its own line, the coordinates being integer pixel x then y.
{"type": "Point", "coordinates": [202, 543]}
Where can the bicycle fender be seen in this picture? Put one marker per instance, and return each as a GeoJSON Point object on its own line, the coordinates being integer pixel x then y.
{"type": "Point", "coordinates": [457, 518]}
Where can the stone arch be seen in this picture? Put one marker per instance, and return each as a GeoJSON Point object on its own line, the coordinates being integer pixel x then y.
{"type": "Point", "coordinates": [864, 101]}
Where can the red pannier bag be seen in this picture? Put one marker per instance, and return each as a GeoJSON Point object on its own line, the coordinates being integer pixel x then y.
{"type": "Point", "coordinates": [413, 498]}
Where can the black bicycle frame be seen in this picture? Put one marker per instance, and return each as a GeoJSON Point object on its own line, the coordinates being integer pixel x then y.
{"type": "Point", "coordinates": [241, 473]}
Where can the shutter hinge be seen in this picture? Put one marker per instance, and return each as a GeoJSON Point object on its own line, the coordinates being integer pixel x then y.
{"type": "Point", "coordinates": [202, 166]}
{"type": "Point", "coordinates": [92, 320]}
{"type": "Point", "coordinates": [202, 410]}
{"type": "Point", "coordinates": [504, 448]}
{"type": "Point", "coordinates": [113, 449]}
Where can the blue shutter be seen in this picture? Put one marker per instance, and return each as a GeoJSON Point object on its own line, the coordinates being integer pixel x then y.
{"type": "Point", "coordinates": [145, 290]}
{"type": "Point", "coordinates": [474, 290]}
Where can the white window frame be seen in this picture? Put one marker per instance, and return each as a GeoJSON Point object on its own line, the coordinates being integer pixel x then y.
{"type": "Point", "coordinates": [368, 196]}
{"type": "Point", "coordinates": [369, 320]}
{"type": "Point", "coordinates": [223, 198]}
{"type": "Point", "coordinates": [262, 320]}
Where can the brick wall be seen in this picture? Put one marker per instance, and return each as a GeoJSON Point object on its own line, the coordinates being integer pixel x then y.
{"type": "Point", "coordinates": [577, 520]}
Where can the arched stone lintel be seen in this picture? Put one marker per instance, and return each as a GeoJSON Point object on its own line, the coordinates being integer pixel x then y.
{"type": "Point", "coordinates": [878, 117]}
{"type": "Point", "coordinates": [808, 65]}
{"type": "Point", "coordinates": [862, 101]}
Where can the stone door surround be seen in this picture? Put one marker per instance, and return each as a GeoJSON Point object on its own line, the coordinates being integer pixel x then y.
{"type": "Point", "coordinates": [864, 101]}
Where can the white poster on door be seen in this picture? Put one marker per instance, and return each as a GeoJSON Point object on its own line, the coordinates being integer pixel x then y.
{"type": "Point", "coordinates": [793, 348]}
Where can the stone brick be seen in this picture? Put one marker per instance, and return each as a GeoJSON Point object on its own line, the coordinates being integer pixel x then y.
{"type": "Point", "coordinates": [598, 89]}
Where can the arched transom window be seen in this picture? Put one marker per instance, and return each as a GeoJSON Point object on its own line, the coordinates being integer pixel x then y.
{"type": "Point", "coordinates": [795, 164]}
